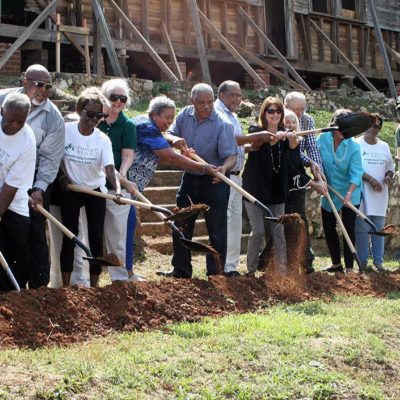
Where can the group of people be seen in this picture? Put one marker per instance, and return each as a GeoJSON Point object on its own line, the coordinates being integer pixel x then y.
{"type": "Point", "coordinates": [100, 148]}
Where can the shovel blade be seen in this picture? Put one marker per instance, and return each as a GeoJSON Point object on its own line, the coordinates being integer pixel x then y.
{"type": "Point", "coordinates": [286, 219]}
{"type": "Point", "coordinates": [355, 123]}
{"type": "Point", "coordinates": [109, 260]}
{"type": "Point", "coordinates": [388, 230]}
{"type": "Point", "coordinates": [197, 246]}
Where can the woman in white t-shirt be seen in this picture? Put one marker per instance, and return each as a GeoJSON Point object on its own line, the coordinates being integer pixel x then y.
{"type": "Point", "coordinates": [378, 173]}
{"type": "Point", "coordinates": [88, 159]}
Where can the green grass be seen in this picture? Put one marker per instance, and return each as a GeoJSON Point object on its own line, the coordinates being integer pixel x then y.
{"type": "Point", "coordinates": [345, 348]}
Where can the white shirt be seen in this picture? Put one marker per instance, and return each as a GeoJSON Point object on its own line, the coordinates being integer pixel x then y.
{"type": "Point", "coordinates": [376, 161]}
{"type": "Point", "coordinates": [17, 165]}
{"type": "Point", "coordinates": [86, 156]}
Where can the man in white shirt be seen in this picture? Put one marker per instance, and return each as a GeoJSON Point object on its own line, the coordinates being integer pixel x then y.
{"type": "Point", "coordinates": [17, 168]}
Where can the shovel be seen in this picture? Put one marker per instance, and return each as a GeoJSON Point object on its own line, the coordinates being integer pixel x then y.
{"type": "Point", "coordinates": [159, 211]}
{"type": "Point", "coordinates": [349, 125]}
{"type": "Point", "coordinates": [9, 273]}
{"type": "Point", "coordinates": [279, 220]}
{"type": "Point", "coordinates": [109, 260]}
{"type": "Point", "coordinates": [388, 230]}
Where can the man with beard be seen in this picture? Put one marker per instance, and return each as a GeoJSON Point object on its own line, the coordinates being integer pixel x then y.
{"type": "Point", "coordinates": [48, 126]}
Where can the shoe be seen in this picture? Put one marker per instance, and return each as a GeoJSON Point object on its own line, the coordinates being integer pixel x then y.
{"type": "Point", "coordinates": [250, 274]}
{"type": "Point", "coordinates": [136, 278]}
{"type": "Point", "coordinates": [230, 274]}
{"type": "Point", "coordinates": [309, 269]}
{"type": "Point", "coordinates": [169, 274]}
{"type": "Point", "coordinates": [379, 268]}
{"type": "Point", "coordinates": [349, 271]}
{"type": "Point", "coordinates": [334, 268]}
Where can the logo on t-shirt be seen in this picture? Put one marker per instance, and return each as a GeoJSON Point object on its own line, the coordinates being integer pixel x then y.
{"type": "Point", "coordinates": [69, 147]}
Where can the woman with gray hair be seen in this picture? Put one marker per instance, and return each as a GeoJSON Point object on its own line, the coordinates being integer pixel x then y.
{"type": "Point", "coordinates": [153, 147]}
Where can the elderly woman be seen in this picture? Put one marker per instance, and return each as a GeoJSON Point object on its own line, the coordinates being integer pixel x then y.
{"type": "Point", "coordinates": [341, 159]}
{"type": "Point", "coordinates": [378, 173]}
{"type": "Point", "coordinates": [153, 148]}
{"type": "Point", "coordinates": [87, 160]}
{"type": "Point", "coordinates": [265, 176]}
{"type": "Point", "coordinates": [122, 132]}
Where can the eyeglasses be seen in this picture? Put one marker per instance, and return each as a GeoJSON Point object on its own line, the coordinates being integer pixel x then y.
{"type": "Point", "coordinates": [38, 83]}
{"type": "Point", "coordinates": [273, 111]}
{"type": "Point", "coordinates": [115, 97]}
{"type": "Point", "coordinates": [94, 114]}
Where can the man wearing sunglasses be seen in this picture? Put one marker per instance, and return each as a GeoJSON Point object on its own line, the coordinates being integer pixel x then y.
{"type": "Point", "coordinates": [48, 126]}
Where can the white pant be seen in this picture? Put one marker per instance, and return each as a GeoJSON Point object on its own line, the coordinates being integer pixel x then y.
{"type": "Point", "coordinates": [235, 207]}
{"type": "Point", "coordinates": [80, 274]}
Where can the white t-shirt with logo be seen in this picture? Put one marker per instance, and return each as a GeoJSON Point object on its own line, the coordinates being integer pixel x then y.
{"type": "Point", "coordinates": [376, 161]}
{"type": "Point", "coordinates": [17, 165]}
{"type": "Point", "coordinates": [86, 156]}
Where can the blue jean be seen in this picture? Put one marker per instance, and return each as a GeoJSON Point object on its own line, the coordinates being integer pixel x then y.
{"type": "Point", "coordinates": [200, 189]}
{"type": "Point", "coordinates": [377, 242]}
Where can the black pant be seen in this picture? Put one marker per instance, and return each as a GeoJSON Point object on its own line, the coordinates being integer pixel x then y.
{"type": "Point", "coordinates": [332, 238]}
{"type": "Point", "coordinates": [14, 231]}
{"type": "Point", "coordinates": [71, 203]}
{"type": "Point", "coordinates": [39, 262]}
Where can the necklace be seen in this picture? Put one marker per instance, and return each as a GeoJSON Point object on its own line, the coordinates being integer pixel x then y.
{"type": "Point", "coordinates": [276, 169]}
{"type": "Point", "coordinates": [338, 160]}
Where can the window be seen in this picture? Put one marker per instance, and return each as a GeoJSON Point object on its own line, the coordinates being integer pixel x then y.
{"type": "Point", "coordinates": [349, 5]}
{"type": "Point", "coordinates": [320, 6]}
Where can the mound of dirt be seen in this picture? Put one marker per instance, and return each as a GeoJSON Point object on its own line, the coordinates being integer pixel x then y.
{"type": "Point", "coordinates": [46, 317]}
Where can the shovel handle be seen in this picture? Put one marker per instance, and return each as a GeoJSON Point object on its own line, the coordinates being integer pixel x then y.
{"type": "Point", "coordinates": [9, 273]}
{"type": "Point", "coordinates": [308, 132]}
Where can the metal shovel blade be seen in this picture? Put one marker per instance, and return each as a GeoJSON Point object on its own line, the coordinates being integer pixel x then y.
{"type": "Point", "coordinates": [186, 212]}
{"type": "Point", "coordinates": [197, 246]}
{"type": "Point", "coordinates": [286, 219]}
{"type": "Point", "coordinates": [110, 260]}
{"type": "Point", "coordinates": [388, 230]}
{"type": "Point", "coordinates": [353, 124]}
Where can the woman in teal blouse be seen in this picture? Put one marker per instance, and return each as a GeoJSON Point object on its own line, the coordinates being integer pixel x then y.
{"type": "Point", "coordinates": [341, 159]}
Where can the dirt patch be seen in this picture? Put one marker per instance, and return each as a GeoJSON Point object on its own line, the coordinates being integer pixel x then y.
{"type": "Point", "coordinates": [46, 317]}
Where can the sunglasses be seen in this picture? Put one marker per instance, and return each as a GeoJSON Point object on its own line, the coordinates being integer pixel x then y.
{"type": "Point", "coordinates": [40, 84]}
{"type": "Point", "coordinates": [121, 97]}
{"type": "Point", "coordinates": [94, 114]}
{"type": "Point", "coordinates": [273, 111]}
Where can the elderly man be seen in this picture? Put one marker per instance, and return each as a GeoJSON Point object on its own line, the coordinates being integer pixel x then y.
{"type": "Point", "coordinates": [17, 167]}
{"type": "Point", "coordinates": [48, 126]}
{"type": "Point", "coordinates": [229, 98]}
{"type": "Point", "coordinates": [204, 130]}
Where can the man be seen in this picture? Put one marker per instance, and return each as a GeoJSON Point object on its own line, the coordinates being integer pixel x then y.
{"type": "Point", "coordinates": [310, 157]}
{"type": "Point", "coordinates": [228, 102]}
{"type": "Point", "coordinates": [204, 130]}
{"type": "Point", "coordinates": [48, 126]}
{"type": "Point", "coordinates": [17, 167]}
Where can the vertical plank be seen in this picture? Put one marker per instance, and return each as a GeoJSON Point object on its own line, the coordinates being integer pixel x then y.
{"type": "Point", "coordinates": [390, 43]}
{"type": "Point", "coordinates": [245, 29]}
{"type": "Point", "coordinates": [261, 24]}
{"type": "Point", "coordinates": [208, 13]}
{"type": "Point", "coordinates": [58, 44]}
{"type": "Point", "coordinates": [361, 46]}
{"type": "Point", "coordinates": [308, 34]}
{"type": "Point", "coordinates": [320, 22]}
{"type": "Point", "coordinates": [145, 19]}
{"type": "Point", "coordinates": [224, 11]}
{"type": "Point", "coordinates": [349, 42]}
{"type": "Point", "coordinates": [291, 33]}
{"type": "Point", "coordinates": [86, 47]}
{"type": "Point", "coordinates": [186, 24]}
{"type": "Point", "coordinates": [171, 52]}
{"type": "Point", "coordinates": [334, 38]}
{"type": "Point", "coordinates": [306, 42]}
{"type": "Point", "coordinates": [97, 56]}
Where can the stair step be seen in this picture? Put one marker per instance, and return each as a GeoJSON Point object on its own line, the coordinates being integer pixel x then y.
{"type": "Point", "coordinates": [161, 194]}
{"type": "Point", "coordinates": [158, 229]}
{"type": "Point", "coordinates": [166, 178]}
{"type": "Point", "coordinates": [149, 216]}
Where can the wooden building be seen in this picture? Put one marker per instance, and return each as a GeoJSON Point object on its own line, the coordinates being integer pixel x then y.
{"type": "Point", "coordinates": [314, 37]}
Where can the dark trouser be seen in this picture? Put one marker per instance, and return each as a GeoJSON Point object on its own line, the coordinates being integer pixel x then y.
{"type": "Point", "coordinates": [14, 231]}
{"type": "Point", "coordinates": [296, 203]}
{"type": "Point", "coordinates": [332, 238]}
{"type": "Point", "coordinates": [200, 189]}
{"type": "Point", "coordinates": [71, 203]}
{"type": "Point", "coordinates": [39, 262]}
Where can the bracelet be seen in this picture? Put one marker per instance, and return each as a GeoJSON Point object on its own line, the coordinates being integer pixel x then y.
{"type": "Point", "coordinates": [350, 193]}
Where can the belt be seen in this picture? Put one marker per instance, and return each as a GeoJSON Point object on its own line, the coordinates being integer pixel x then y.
{"type": "Point", "coordinates": [237, 173]}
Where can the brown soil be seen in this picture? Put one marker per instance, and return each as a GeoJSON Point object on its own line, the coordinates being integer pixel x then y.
{"type": "Point", "coordinates": [186, 212]}
{"type": "Point", "coordinates": [45, 317]}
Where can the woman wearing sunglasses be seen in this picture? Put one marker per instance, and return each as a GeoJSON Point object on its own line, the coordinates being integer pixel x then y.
{"type": "Point", "coordinates": [122, 133]}
{"type": "Point", "coordinates": [88, 159]}
{"type": "Point", "coordinates": [265, 176]}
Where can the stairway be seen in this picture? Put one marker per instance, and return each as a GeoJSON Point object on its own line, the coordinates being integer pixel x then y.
{"type": "Point", "coordinates": [162, 192]}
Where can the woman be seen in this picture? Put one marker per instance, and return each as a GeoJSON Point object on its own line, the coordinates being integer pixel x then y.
{"type": "Point", "coordinates": [122, 133]}
{"type": "Point", "coordinates": [378, 173]}
{"type": "Point", "coordinates": [152, 148]}
{"type": "Point", "coordinates": [341, 160]}
{"type": "Point", "coordinates": [265, 176]}
{"type": "Point", "coordinates": [88, 158]}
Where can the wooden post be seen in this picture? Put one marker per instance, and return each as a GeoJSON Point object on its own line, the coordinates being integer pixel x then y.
{"type": "Point", "coordinates": [378, 35]}
{"type": "Point", "coordinates": [58, 44]}
{"type": "Point", "coordinates": [194, 10]}
{"type": "Point", "coordinates": [171, 52]}
{"type": "Point", "coordinates": [97, 54]}
{"type": "Point", "coordinates": [86, 46]}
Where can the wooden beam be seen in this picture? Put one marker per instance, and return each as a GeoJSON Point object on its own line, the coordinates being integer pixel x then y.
{"type": "Point", "coordinates": [105, 33]}
{"type": "Point", "coordinates": [86, 47]}
{"type": "Point", "coordinates": [290, 33]}
{"type": "Point", "coordinates": [320, 41]}
{"type": "Point", "coordinates": [171, 52]}
{"type": "Point", "coordinates": [306, 42]}
{"type": "Point", "coordinates": [274, 50]}
{"type": "Point", "coordinates": [146, 45]}
{"type": "Point", "coordinates": [349, 42]}
{"type": "Point", "coordinates": [254, 59]}
{"type": "Point", "coordinates": [27, 32]}
{"type": "Point", "coordinates": [378, 35]}
{"type": "Point", "coordinates": [209, 27]}
{"type": "Point", "coordinates": [366, 82]}
{"type": "Point", "coordinates": [395, 54]}
{"type": "Point", "coordinates": [58, 44]}
{"type": "Point", "coordinates": [145, 19]}
{"type": "Point", "coordinates": [97, 53]}
{"type": "Point", "coordinates": [77, 30]}
{"type": "Point", "coordinates": [194, 10]}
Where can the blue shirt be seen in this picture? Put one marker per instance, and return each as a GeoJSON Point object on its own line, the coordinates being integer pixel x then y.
{"type": "Point", "coordinates": [149, 138]}
{"type": "Point", "coordinates": [341, 168]}
{"type": "Point", "coordinates": [212, 138]}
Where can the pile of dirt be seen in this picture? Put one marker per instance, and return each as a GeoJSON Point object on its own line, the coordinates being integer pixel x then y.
{"type": "Point", "coordinates": [45, 317]}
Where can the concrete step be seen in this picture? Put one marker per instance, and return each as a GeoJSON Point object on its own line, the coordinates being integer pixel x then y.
{"type": "Point", "coordinates": [166, 178]}
{"type": "Point", "coordinates": [149, 216]}
{"type": "Point", "coordinates": [161, 194]}
{"type": "Point", "coordinates": [159, 229]}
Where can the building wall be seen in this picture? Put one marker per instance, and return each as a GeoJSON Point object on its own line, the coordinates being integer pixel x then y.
{"type": "Point", "coordinates": [13, 65]}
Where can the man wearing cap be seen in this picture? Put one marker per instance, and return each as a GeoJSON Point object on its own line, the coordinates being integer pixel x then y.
{"type": "Point", "coordinates": [48, 126]}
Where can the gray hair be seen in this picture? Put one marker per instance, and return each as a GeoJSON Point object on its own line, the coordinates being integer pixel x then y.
{"type": "Point", "coordinates": [294, 96]}
{"type": "Point", "coordinates": [201, 88]}
{"type": "Point", "coordinates": [226, 85]}
{"type": "Point", "coordinates": [340, 112]}
{"type": "Point", "coordinates": [17, 101]}
{"type": "Point", "coordinates": [158, 104]}
{"type": "Point", "coordinates": [111, 85]}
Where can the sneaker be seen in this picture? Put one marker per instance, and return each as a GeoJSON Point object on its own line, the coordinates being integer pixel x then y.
{"type": "Point", "coordinates": [349, 271]}
{"type": "Point", "coordinates": [334, 268]}
{"type": "Point", "coordinates": [230, 274]}
{"type": "Point", "coordinates": [379, 268]}
{"type": "Point", "coordinates": [136, 278]}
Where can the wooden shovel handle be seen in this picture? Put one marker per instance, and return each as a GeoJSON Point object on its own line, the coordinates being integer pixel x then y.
{"type": "Point", "coordinates": [308, 132]}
